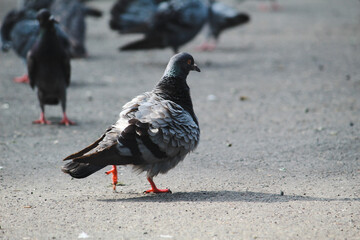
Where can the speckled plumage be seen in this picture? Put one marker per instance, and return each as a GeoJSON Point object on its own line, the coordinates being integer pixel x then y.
{"type": "Point", "coordinates": [154, 132]}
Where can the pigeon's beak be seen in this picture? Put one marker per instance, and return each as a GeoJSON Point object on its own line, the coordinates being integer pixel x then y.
{"type": "Point", "coordinates": [52, 19]}
{"type": "Point", "coordinates": [195, 68]}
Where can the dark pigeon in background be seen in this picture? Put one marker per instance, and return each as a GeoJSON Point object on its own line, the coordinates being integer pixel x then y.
{"type": "Point", "coordinates": [71, 15]}
{"type": "Point", "coordinates": [175, 23]}
{"type": "Point", "coordinates": [49, 67]}
{"type": "Point", "coordinates": [133, 16]}
{"type": "Point", "coordinates": [155, 130]}
{"type": "Point", "coordinates": [36, 5]}
{"type": "Point", "coordinates": [20, 30]}
{"type": "Point", "coordinates": [221, 17]}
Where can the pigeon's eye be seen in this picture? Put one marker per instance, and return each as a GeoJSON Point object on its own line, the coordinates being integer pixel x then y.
{"type": "Point", "coordinates": [189, 61]}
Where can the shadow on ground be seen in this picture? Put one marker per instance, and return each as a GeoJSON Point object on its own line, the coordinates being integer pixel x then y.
{"type": "Point", "coordinates": [223, 196]}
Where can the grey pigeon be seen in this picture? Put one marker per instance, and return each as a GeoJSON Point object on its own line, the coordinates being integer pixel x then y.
{"type": "Point", "coordinates": [20, 30]}
{"type": "Point", "coordinates": [221, 17]}
{"type": "Point", "coordinates": [36, 5]}
{"type": "Point", "coordinates": [133, 16]}
{"type": "Point", "coordinates": [175, 23]}
{"type": "Point", "coordinates": [71, 15]}
{"type": "Point", "coordinates": [154, 132]}
{"type": "Point", "coordinates": [49, 67]}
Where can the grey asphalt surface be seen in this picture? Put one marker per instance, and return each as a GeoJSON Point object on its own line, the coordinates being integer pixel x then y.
{"type": "Point", "coordinates": [279, 109]}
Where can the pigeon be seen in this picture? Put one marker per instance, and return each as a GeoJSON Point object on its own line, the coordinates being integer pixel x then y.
{"type": "Point", "coordinates": [49, 68]}
{"type": "Point", "coordinates": [36, 5]}
{"type": "Point", "coordinates": [154, 132]}
{"type": "Point", "coordinates": [133, 16]}
{"type": "Point", "coordinates": [175, 23]}
{"type": "Point", "coordinates": [71, 15]}
{"type": "Point", "coordinates": [220, 18]}
{"type": "Point", "coordinates": [20, 30]}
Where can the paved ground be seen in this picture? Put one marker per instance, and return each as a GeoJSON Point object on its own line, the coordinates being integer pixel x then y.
{"type": "Point", "coordinates": [285, 118]}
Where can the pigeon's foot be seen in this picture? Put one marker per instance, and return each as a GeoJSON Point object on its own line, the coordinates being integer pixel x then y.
{"type": "Point", "coordinates": [42, 120]}
{"type": "Point", "coordinates": [206, 47]}
{"type": "Point", "coordinates": [114, 177]}
{"type": "Point", "coordinates": [154, 189]}
{"type": "Point", "coordinates": [22, 79]}
{"type": "Point", "coordinates": [274, 6]}
{"type": "Point", "coordinates": [65, 121]}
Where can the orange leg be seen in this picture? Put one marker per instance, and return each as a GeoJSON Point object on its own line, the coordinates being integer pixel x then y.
{"type": "Point", "coordinates": [41, 120]}
{"type": "Point", "coordinates": [114, 177]}
{"type": "Point", "coordinates": [154, 189]}
{"type": "Point", "coordinates": [22, 79]}
{"type": "Point", "coordinates": [66, 121]}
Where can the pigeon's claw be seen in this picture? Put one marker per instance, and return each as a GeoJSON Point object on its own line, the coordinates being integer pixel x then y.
{"type": "Point", "coordinates": [22, 79]}
{"type": "Point", "coordinates": [154, 189]}
{"type": "Point", "coordinates": [114, 177]}
{"type": "Point", "coordinates": [65, 121]}
{"type": "Point", "coordinates": [41, 120]}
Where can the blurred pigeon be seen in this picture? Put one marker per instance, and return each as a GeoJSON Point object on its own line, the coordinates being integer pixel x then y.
{"type": "Point", "coordinates": [49, 67]}
{"type": "Point", "coordinates": [36, 5]}
{"type": "Point", "coordinates": [133, 16]}
{"type": "Point", "coordinates": [154, 132]}
{"type": "Point", "coordinates": [71, 15]}
{"type": "Point", "coordinates": [221, 17]}
{"type": "Point", "coordinates": [175, 23]}
{"type": "Point", "coordinates": [20, 30]}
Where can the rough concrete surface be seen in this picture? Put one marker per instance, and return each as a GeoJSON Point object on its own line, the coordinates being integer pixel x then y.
{"type": "Point", "coordinates": [279, 109]}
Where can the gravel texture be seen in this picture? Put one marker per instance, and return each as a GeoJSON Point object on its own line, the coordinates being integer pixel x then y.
{"type": "Point", "coordinates": [279, 157]}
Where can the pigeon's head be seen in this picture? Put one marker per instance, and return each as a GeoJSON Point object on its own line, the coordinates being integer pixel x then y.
{"type": "Point", "coordinates": [180, 65]}
{"type": "Point", "coordinates": [45, 18]}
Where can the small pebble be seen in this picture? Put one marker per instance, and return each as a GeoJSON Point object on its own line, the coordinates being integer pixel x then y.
{"type": "Point", "coordinates": [351, 124]}
{"type": "Point", "coordinates": [243, 98]}
{"type": "Point", "coordinates": [321, 67]}
{"type": "Point", "coordinates": [211, 97]}
{"type": "Point", "coordinates": [307, 110]}
{"type": "Point", "coordinates": [281, 193]}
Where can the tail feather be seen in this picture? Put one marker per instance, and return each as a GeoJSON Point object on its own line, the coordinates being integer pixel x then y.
{"type": "Point", "coordinates": [87, 149]}
{"type": "Point", "coordinates": [146, 43]}
{"type": "Point", "coordinates": [107, 156]}
{"type": "Point", "coordinates": [93, 12]}
{"type": "Point", "coordinates": [80, 170]}
{"type": "Point", "coordinates": [240, 19]}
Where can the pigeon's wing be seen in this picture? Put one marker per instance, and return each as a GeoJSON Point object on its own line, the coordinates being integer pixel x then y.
{"type": "Point", "coordinates": [24, 35]}
{"type": "Point", "coordinates": [163, 128]}
{"type": "Point", "coordinates": [31, 67]}
{"type": "Point", "coordinates": [66, 68]}
{"type": "Point", "coordinates": [132, 16]}
{"type": "Point", "coordinates": [64, 38]}
{"type": "Point", "coordinates": [37, 4]}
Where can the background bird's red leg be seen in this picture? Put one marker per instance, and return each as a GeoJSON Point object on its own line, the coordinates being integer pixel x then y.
{"type": "Point", "coordinates": [154, 189]}
{"type": "Point", "coordinates": [66, 121]}
{"type": "Point", "coordinates": [114, 177]}
{"type": "Point", "coordinates": [41, 120]}
{"type": "Point", "coordinates": [22, 79]}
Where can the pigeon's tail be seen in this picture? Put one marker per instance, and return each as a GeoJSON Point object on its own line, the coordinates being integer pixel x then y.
{"type": "Point", "coordinates": [82, 166]}
{"type": "Point", "coordinates": [93, 12]}
{"type": "Point", "coordinates": [80, 170]}
{"type": "Point", "coordinates": [240, 19]}
{"type": "Point", "coordinates": [146, 43]}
